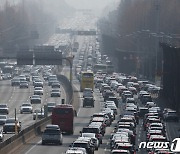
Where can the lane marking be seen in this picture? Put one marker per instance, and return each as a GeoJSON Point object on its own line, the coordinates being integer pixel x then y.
{"type": "Point", "coordinates": [33, 147]}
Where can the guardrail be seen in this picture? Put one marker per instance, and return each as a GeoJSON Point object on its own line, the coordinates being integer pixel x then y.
{"type": "Point", "coordinates": [14, 142]}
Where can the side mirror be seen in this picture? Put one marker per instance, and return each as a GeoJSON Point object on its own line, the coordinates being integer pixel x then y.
{"type": "Point", "coordinates": [80, 132]}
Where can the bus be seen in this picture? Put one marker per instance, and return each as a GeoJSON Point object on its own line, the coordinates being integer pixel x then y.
{"type": "Point", "coordinates": [87, 80]}
{"type": "Point", "coordinates": [63, 116]}
{"type": "Point", "coordinates": [100, 67]}
{"type": "Point", "coordinates": [104, 68]}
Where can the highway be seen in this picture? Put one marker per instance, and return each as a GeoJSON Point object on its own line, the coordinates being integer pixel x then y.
{"type": "Point", "coordinates": [14, 96]}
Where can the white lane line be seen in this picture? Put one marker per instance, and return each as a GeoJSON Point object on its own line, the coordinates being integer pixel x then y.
{"type": "Point", "coordinates": [33, 147]}
{"type": "Point", "coordinates": [80, 103]}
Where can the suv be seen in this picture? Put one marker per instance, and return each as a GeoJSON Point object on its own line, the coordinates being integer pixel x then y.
{"type": "Point", "coordinates": [88, 101]}
{"type": "Point", "coordinates": [52, 134]}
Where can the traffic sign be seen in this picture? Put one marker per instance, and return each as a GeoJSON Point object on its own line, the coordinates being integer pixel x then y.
{"type": "Point", "coordinates": [24, 58]}
{"type": "Point", "coordinates": [48, 58]}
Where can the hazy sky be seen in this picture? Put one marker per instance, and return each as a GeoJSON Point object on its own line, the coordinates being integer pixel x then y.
{"type": "Point", "coordinates": [92, 4]}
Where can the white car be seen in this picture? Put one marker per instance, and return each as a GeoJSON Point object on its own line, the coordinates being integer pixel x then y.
{"type": "Point", "coordinates": [93, 138]}
{"type": "Point", "coordinates": [38, 91]}
{"type": "Point", "coordinates": [38, 113]}
{"type": "Point", "coordinates": [26, 108]}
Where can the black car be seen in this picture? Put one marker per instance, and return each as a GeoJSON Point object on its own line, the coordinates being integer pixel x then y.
{"type": "Point", "coordinates": [142, 111]}
{"type": "Point", "coordinates": [88, 101]}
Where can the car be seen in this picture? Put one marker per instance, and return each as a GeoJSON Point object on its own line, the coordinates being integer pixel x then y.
{"type": "Point", "coordinates": [107, 94]}
{"type": "Point", "coordinates": [52, 80]}
{"type": "Point", "coordinates": [55, 93]}
{"type": "Point", "coordinates": [50, 106]}
{"type": "Point", "coordinates": [55, 84]}
{"type": "Point", "coordinates": [146, 98]}
{"type": "Point", "coordinates": [38, 91]}
{"type": "Point", "coordinates": [88, 92]}
{"type": "Point", "coordinates": [76, 150]}
{"type": "Point", "coordinates": [15, 82]}
{"type": "Point", "coordinates": [84, 144]}
{"type": "Point", "coordinates": [142, 111]}
{"type": "Point", "coordinates": [26, 108]}
{"type": "Point", "coordinates": [9, 125]}
{"type": "Point", "coordinates": [93, 137]}
{"type": "Point", "coordinates": [52, 134]}
{"type": "Point", "coordinates": [3, 119]}
{"type": "Point", "coordinates": [35, 99]}
{"type": "Point", "coordinates": [170, 115]}
{"type": "Point", "coordinates": [94, 129]}
{"type": "Point", "coordinates": [38, 114]}
{"type": "Point", "coordinates": [23, 84]}
{"type": "Point", "coordinates": [6, 76]}
{"type": "Point", "coordinates": [115, 99]}
{"type": "Point", "coordinates": [4, 109]}
{"type": "Point", "coordinates": [88, 101]}
{"type": "Point", "coordinates": [38, 83]}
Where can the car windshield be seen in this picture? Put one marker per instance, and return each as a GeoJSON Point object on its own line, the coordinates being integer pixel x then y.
{"type": "Point", "coordinates": [26, 104]}
{"type": "Point", "coordinates": [3, 105]}
{"type": "Point", "coordinates": [52, 131]}
{"type": "Point", "coordinates": [91, 130]}
{"type": "Point", "coordinates": [82, 145]}
{"type": "Point", "coordinates": [88, 135]}
{"type": "Point", "coordinates": [51, 104]}
{"type": "Point", "coordinates": [38, 88]}
{"type": "Point", "coordinates": [35, 96]}
{"type": "Point", "coordinates": [10, 121]}
{"type": "Point", "coordinates": [3, 117]}
{"type": "Point", "coordinates": [55, 90]}
{"type": "Point", "coordinates": [24, 82]}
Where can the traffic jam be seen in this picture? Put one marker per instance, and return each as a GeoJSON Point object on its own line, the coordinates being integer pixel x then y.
{"type": "Point", "coordinates": [129, 104]}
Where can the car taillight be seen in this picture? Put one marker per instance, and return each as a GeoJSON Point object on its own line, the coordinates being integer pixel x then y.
{"type": "Point", "coordinates": [98, 135]}
{"type": "Point", "coordinates": [148, 135]}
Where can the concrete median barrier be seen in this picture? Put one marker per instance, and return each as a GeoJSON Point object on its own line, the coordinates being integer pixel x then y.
{"type": "Point", "coordinates": [14, 142]}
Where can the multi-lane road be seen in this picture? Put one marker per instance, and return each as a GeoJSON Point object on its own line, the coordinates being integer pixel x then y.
{"type": "Point", "coordinates": [14, 96]}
